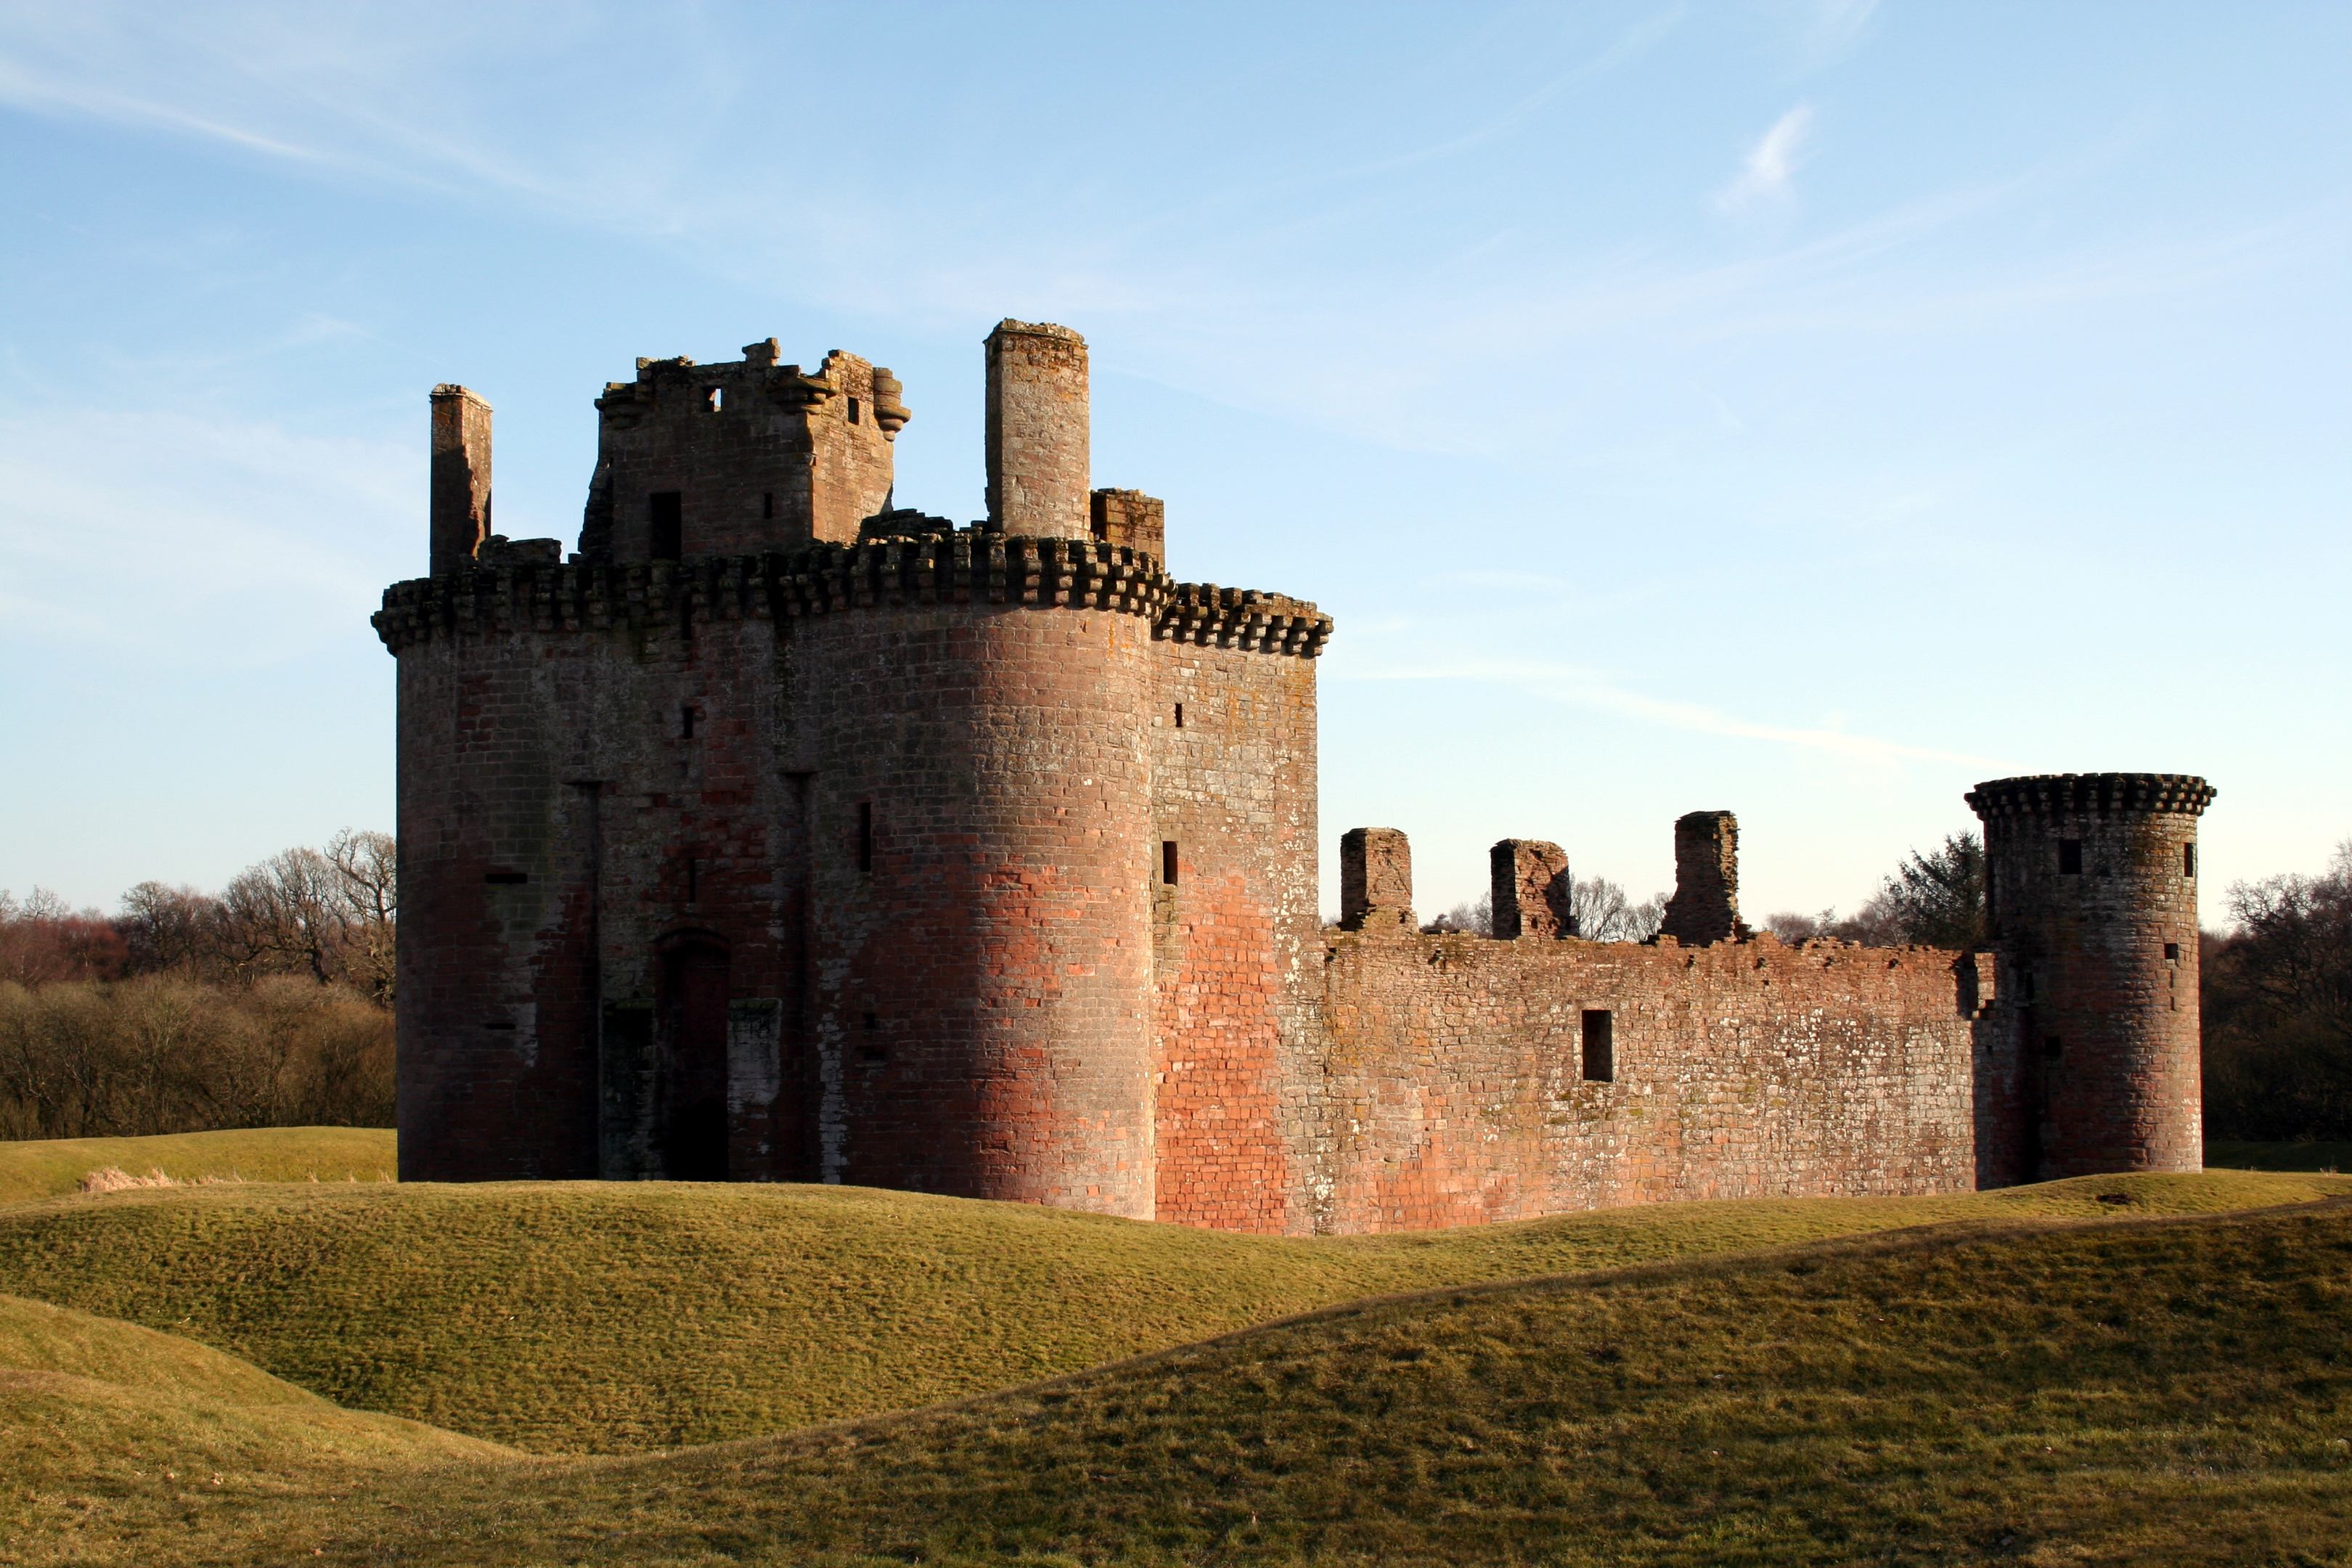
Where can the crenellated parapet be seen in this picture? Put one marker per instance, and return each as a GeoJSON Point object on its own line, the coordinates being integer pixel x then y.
{"type": "Point", "coordinates": [971, 566]}
{"type": "Point", "coordinates": [1245, 618]}
{"type": "Point", "coordinates": [2070, 795]}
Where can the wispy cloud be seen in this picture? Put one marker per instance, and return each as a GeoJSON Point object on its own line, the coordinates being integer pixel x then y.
{"type": "Point", "coordinates": [1586, 688]}
{"type": "Point", "coordinates": [1766, 174]}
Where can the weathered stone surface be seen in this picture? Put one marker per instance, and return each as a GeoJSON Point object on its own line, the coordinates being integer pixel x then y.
{"type": "Point", "coordinates": [783, 836]}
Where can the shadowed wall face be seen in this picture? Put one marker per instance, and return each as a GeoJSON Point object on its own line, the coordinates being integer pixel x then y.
{"type": "Point", "coordinates": [1038, 447]}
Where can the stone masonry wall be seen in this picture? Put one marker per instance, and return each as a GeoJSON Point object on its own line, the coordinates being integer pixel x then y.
{"type": "Point", "coordinates": [759, 455]}
{"type": "Point", "coordinates": [1456, 1091]}
{"type": "Point", "coordinates": [1237, 962]}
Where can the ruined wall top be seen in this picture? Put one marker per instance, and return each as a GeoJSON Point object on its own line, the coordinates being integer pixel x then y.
{"type": "Point", "coordinates": [1706, 905]}
{"type": "Point", "coordinates": [1038, 431]}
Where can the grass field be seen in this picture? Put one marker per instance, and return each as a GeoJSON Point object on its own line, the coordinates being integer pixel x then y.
{"type": "Point", "coordinates": [582, 1317]}
{"type": "Point", "coordinates": [2117, 1392]}
{"type": "Point", "coordinates": [51, 1168]}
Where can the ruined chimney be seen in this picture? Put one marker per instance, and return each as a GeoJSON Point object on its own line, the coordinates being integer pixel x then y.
{"type": "Point", "coordinates": [1037, 431]}
{"type": "Point", "coordinates": [461, 477]}
{"type": "Point", "coordinates": [1531, 889]}
{"type": "Point", "coordinates": [1375, 880]}
{"type": "Point", "coordinates": [1706, 905]}
{"type": "Point", "coordinates": [1132, 519]}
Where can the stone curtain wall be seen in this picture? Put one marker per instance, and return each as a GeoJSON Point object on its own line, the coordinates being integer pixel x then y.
{"type": "Point", "coordinates": [1455, 1091]}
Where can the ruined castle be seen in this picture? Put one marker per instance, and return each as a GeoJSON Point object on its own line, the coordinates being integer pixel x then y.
{"type": "Point", "coordinates": [780, 835]}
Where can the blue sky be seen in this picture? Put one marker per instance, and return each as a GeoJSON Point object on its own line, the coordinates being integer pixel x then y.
{"type": "Point", "coordinates": [1807, 409]}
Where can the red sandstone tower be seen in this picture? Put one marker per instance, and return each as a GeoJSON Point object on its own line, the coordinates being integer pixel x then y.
{"type": "Point", "coordinates": [2091, 887]}
{"type": "Point", "coordinates": [780, 835]}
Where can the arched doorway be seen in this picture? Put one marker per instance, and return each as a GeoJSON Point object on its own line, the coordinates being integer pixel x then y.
{"type": "Point", "coordinates": [691, 1128]}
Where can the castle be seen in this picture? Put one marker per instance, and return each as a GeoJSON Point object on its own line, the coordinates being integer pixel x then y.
{"type": "Point", "coordinates": [780, 835]}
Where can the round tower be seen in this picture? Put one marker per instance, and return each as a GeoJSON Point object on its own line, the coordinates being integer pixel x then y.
{"type": "Point", "coordinates": [2091, 895]}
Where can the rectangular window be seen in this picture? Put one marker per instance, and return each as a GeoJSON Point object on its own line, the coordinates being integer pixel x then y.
{"type": "Point", "coordinates": [693, 877]}
{"type": "Point", "coordinates": [688, 730]}
{"type": "Point", "coordinates": [1179, 715]}
{"type": "Point", "coordinates": [865, 836]}
{"type": "Point", "coordinates": [714, 398]}
{"type": "Point", "coordinates": [506, 878]}
{"type": "Point", "coordinates": [853, 411]}
{"type": "Point", "coordinates": [1168, 862]}
{"type": "Point", "coordinates": [2173, 951]}
{"type": "Point", "coordinates": [2070, 857]}
{"type": "Point", "coordinates": [1599, 1046]}
{"type": "Point", "coordinates": [2188, 860]}
{"type": "Point", "coordinates": [666, 525]}
{"type": "Point", "coordinates": [2052, 1047]}
{"type": "Point", "coordinates": [767, 503]}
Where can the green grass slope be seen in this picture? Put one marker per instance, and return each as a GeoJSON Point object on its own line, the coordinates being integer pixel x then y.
{"type": "Point", "coordinates": [105, 1425]}
{"type": "Point", "coordinates": [48, 1168]}
{"type": "Point", "coordinates": [2133, 1392]}
{"type": "Point", "coordinates": [569, 1318]}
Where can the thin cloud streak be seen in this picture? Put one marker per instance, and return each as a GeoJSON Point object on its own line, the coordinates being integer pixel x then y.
{"type": "Point", "coordinates": [1772, 164]}
{"type": "Point", "coordinates": [1584, 688]}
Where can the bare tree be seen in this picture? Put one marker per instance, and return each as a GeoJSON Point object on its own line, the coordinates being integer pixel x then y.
{"type": "Point", "coordinates": [368, 865]}
{"type": "Point", "coordinates": [1603, 913]}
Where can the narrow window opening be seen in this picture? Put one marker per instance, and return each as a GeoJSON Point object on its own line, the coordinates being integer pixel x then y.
{"type": "Point", "coordinates": [2052, 1047]}
{"type": "Point", "coordinates": [865, 836]}
{"type": "Point", "coordinates": [2188, 860]}
{"type": "Point", "coordinates": [1179, 715]}
{"type": "Point", "coordinates": [767, 503]}
{"type": "Point", "coordinates": [666, 529]}
{"type": "Point", "coordinates": [686, 732]}
{"type": "Point", "coordinates": [1168, 862]}
{"type": "Point", "coordinates": [853, 411]}
{"type": "Point", "coordinates": [2173, 951]}
{"type": "Point", "coordinates": [693, 877]}
{"type": "Point", "coordinates": [714, 398]}
{"type": "Point", "coordinates": [1599, 1046]}
{"type": "Point", "coordinates": [2070, 857]}
{"type": "Point", "coordinates": [874, 1056]}
{"type": "Point", "coordinates": [873, 1021]}
{"type": "Point", "coordinates": [506, 878]}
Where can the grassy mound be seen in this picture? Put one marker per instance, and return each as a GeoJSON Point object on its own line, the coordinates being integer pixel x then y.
{"type": "Point", "coordinates": [2139, 1392]}
{"type": "Point", "coordinates": [104, 1423]}
{"type": "Point", "coordinates": [592, 1317]}
{"type": "Point", "coordinates": [48, 1168]}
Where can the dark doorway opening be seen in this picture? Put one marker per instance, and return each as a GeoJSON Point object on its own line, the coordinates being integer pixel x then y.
{"type": "Point", "coordinates": [692, 1132]}
{"type": "Point", "coordinates": [666, 525]}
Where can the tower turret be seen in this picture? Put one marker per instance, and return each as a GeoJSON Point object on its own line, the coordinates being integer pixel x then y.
{"type": "Point", "coordinates": [1038, 431]}
{"type": "Point", "coordinates": [2091, 894]}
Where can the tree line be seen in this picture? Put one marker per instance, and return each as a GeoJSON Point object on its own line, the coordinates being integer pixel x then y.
{"type": "Point", "coordinates": [266, 1004]}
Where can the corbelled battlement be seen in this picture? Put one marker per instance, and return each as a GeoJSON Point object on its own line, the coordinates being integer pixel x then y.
{"type": "Point", "coordinates": [2075, 795]}
{"type": "Point", "coordinates": [968, 566]}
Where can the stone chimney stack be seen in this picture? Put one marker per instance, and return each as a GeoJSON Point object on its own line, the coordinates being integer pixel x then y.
{"type": "Point", "coordinates": [461, 477]}
{"type": "Point", "coordinates": [1706, 905]}
{"type": "Point", "coordinates": [1530, 891]}
{"type": "Point", "coordinates": [1038, 454]}
{"type": "Point", "coordinates": [1375, 880]}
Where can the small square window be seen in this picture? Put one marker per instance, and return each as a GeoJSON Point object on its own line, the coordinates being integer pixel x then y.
{"type": "Point", "coordinates": [714, 398]}
{"type": "Point", "coordinates": [2070, 857]}
{"type": "Point", "coordinates": [2052, 1047]}
{"type": "Point", "coordinates": [2173, 951]}
{"type": "Point", "coordinates": [1599, 1046]}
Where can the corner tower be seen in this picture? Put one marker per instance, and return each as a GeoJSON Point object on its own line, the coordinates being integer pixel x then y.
{"type": "Point", "coordinates": [2091, 894]}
